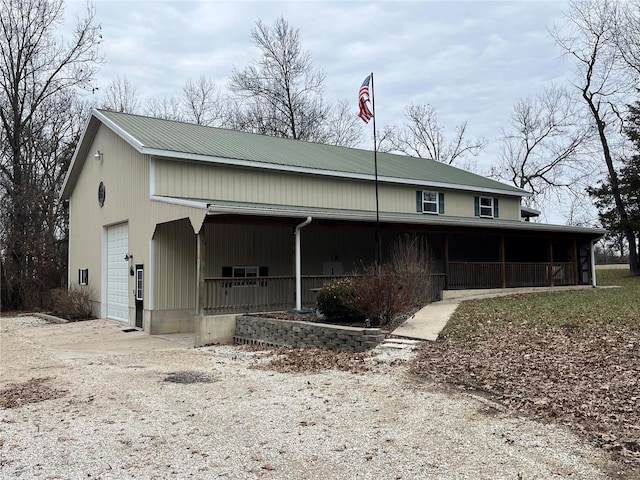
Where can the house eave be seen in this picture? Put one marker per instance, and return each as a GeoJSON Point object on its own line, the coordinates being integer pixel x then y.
{"type": "Point", "coordinates": [221, 208]}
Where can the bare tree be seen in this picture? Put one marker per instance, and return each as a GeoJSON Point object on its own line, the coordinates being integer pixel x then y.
{"type": "Point", "coordinates": [121, 96]}
{"type": "Point", "coordinates": [423, 136]}
{"type": "Point", "coordinates": [627, 35]}
{"type": "Point", "coordinates": [604, 80]}
{"type": "Point", "coordinates": [541, 148]}
{"type": "Point", "coordinates": [39, 78]}
{"type": "Point", "coordinates": [343, 127]}
{"type": "Point", "coordinates": [169, 108]}
{"type": "Point", "coordinates": [203, 102]}
{"type": "Point", "coordinates": [281, 93]}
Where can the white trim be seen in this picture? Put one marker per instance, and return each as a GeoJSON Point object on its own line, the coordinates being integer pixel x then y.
{"type": "Point", "coordinates": [151, 275]}
{"type": "Point", "coordinates": [127, 137]}
{"type": "Point", "coordinates": [180, 201]}
{"type": "Point", "coordinates": [435, 203]}
{"type": "Point", "coordinates": [480, 207]}
{"type": "Point", "coordinates": [103, 274]}
{"type": "Point", "coordinates": [297, 232]}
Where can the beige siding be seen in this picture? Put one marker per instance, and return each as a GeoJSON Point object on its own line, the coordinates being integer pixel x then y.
{"type": "Point", "coordinates": [245, 245]}
{"type": "Point", "coordinates": [175, 267]}
{"type": "Point", "coordinates": [215, 182]}
{"type": "Point", "coordinates": [125, 174]}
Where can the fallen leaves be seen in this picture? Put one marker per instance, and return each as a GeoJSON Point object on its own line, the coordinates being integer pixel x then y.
{"type": "Point", "coordinates": [588, 381]}
{"type": "Point", "coordinates": [313, 360]}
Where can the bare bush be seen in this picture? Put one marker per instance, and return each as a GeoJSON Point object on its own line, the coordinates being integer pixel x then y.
{"type": "Point", "coordinates": [380, 296]}
{"type": "Point", "coordinates": [412, 262]}
{"type": "Point", "coordinates": [72, 304]}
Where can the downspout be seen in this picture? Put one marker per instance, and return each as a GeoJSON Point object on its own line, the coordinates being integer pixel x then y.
{"type": "Point", "coordinates": [593, 265]}
{"type": "Point", "coordinates": [298, 262]}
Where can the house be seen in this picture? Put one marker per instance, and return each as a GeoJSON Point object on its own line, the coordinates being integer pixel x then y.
{"type": "Point", "coordinates": [169, 220]}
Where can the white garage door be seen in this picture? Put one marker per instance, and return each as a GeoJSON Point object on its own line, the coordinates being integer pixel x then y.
{"type": "Point", "coordinates": [118, 272]}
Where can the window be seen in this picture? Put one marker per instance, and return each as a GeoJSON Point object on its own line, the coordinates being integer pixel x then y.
{"type": "Point", "coordinates": [139, 284]}
{"type": "Point", "coordinates": [83, 276]}
{"type": "Point", "coordinates": [430, 202]}
{"type": "Point", "coordinates": [486, 207]}
{"type": "Point", "coordinates": [247, 276]}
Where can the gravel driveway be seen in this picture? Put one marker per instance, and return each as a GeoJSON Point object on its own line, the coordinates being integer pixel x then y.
{"type": "Point", "coordinates": [167, 411]}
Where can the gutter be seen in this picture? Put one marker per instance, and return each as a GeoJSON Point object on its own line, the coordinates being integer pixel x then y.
{"type": "Point", "coordinates": [298, 263]}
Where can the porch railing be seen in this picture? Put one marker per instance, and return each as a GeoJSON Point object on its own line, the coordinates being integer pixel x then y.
{"type": "Point", "coordinates": [238, 295]}
{"type": "Point", "coordinates": [230, 295]}
{"type": "Point", "coordinates": [468, 275]}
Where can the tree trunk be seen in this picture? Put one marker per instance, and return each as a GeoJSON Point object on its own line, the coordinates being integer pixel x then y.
{"type": "Point", "coordinates": [634, 264]}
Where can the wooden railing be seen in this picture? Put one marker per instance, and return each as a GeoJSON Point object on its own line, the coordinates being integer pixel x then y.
{"type": "Point", "coordinates": [468, 275]}
{"type": "Point", "coordinates": [239, 295]}
{"type": "Point", "coordinates": [231, 295]}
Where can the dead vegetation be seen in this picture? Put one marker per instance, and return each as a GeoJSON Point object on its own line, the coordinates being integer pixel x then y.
{"type": "Point", "coordinates": [32, 391]}
{"type": "Point", "coordinates": [571, 358]}
{"type": "Point", "coordinates": [313, 360]}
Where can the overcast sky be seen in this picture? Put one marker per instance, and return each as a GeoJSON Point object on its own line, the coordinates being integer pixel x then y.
{"type": "Point", "coordinates": [472, 60]}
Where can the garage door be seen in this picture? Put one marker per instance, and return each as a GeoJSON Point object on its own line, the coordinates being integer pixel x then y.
{"type": "Point", "coordinates": [118, 272]}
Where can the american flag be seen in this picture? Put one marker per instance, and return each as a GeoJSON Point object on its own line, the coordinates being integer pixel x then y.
{"type": "Point", "coordinates": [363, 97]}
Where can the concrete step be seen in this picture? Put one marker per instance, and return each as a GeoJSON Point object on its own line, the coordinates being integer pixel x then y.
{"type": "Point", "coordinates": [399, 344]}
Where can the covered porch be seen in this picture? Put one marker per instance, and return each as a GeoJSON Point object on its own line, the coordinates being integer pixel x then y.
{"type": "Point", "coordinates": [247, 264]}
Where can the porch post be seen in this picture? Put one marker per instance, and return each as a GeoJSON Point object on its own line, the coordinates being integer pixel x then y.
{"type": "Point", "coordinates": [576, 263]}
{"type": "Point", "coordinates": [200, 261]}
{"type": "Point", "coordinates": [446, 261]}
{"type": "Point", "coordinates": [551, 282]}
{"type": "Point", "coordinates": [593, 264]}
{"type": "Point", "coordinates": [503, 268]}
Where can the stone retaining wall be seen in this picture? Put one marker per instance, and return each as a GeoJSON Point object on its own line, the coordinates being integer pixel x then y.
{"type": "Point", "coordinates": [274, 332]}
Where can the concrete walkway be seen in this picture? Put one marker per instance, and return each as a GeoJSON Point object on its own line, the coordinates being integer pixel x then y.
{"type": "Point", "coordinates": [427, 323]}
{"type": "Point", "coordinates": [92, 338]}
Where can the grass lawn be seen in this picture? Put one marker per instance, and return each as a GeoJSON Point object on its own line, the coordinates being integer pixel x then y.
{"type": "Point", "coordinates": [572, 357]}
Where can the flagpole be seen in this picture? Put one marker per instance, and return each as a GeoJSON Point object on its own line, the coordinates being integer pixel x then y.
{"type": "Point", "coordinates": [375, 163]}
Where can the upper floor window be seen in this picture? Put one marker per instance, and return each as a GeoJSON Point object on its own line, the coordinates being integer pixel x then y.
{"type": "Point", "coordinates": [486, 207]}
{"type": "Point", "coordinates": [430, 202]}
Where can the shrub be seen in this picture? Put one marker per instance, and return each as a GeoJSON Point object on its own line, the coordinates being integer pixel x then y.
{"type": "Point", "coordinates": [334, 300]}
{"type": "Point", "coordinates": [380, 295]}
{"type": "Point", "coordinates": [411, 260]}
{"type": "Point", "coordinates": [73, 303]}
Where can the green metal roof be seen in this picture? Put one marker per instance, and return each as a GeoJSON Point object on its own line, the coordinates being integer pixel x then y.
{"type": "Point", "coordinates": [184, 140]}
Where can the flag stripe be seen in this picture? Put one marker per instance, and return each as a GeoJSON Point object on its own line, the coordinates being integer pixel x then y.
{"type": "Point", "coordinates": [363, 97]}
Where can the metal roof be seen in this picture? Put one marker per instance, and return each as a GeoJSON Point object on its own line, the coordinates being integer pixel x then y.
{"type": "Point", "coordinates": [166, 138]}
{"type": "Point", "coordinates": [220, 207]}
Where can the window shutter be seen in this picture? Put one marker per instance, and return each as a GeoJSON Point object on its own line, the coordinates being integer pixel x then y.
{"type": "Point", "coordinates": [227, 271]}
{"type": "Point", "coordinates": [476, 206]}
{"type": "Point", "coordinates": [441, 203]}
{"type": "Point", "coordinates": [419, 201]}
{"type": "Point", "coordinates": [495, 208]}
{"type": "Point", "coordinates": [263, 271]}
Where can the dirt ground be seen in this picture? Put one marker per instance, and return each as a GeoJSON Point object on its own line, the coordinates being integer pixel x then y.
{"type": "Point", "coordinates": [86, 400]}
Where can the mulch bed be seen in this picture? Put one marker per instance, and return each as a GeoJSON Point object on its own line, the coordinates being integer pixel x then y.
{"type": "Point", "coordinates": [588, 380]}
